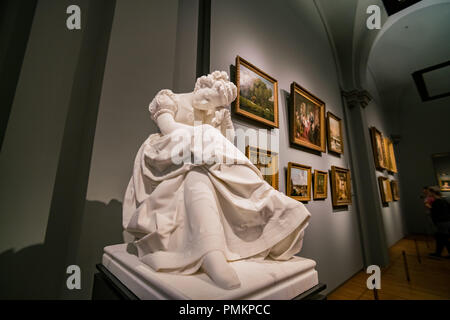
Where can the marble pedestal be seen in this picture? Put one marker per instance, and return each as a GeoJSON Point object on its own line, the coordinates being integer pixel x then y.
{"type": "Point", "coordinates": [260, 280]}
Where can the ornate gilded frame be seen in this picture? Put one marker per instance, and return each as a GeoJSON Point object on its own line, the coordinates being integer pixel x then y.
{"type": "Point", "coordinates": [289, 182]}
{"type": "Point", "coordinates": [297, 89]}
{"type": "Point", "coordinates": [238, 110]}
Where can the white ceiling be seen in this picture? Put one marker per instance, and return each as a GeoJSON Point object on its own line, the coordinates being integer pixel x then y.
{"type": "Point", "coordinates": [414, 41]}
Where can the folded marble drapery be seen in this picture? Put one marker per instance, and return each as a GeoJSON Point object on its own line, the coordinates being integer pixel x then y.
{"type": "Point", "coordinates": [244, 216]}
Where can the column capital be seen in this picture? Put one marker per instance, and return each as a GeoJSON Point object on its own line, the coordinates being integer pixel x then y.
{"type": "Point", "coordinates": [355, 98]}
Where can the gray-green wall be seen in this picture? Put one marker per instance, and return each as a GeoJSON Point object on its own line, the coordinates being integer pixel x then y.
{"type": "Point", "coordinates": [152, 47]}
{"type": "Point", "coordinates": [379, 117]}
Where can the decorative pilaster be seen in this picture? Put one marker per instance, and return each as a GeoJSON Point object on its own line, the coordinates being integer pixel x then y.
{"type": "Point", "coordinates": [364, 180]}
{"type": "Point", "coordinates": [360, 98]}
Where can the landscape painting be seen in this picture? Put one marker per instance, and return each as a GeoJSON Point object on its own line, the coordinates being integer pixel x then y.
{"type": "Point", "coordinates": [307, 119]}
{"type": "Point", "coordinates": [299, 182]}
{"type": "Point", "coordinates": [257, 94]}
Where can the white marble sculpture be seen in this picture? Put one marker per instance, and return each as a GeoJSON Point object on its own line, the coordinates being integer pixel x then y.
{"type": "Point", "coordinates": [200, 214]}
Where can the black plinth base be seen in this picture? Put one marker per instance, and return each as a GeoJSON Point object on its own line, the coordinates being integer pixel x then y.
{"type": "Point", "coordinates": [108, 287]}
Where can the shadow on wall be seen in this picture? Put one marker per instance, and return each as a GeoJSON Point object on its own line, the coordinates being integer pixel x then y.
{"type": "Point", "coordinates": [39, 271]}
{"type": "Point", "coordinates": [102, 226]}
{"type": "Point", "coordinates": [29, 273]}
{"type": "Point", "coordinates": [23, 274]}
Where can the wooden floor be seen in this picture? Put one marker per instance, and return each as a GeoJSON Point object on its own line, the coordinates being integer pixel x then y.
{"type": "Point", "coordinates": [429, 278]}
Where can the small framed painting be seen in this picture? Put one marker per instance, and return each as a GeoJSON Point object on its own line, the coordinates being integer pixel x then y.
{"type": "Point", "coordinates": [391, 163]}
{"type": "Point", "coordinates": [306, 119]}
{"type": "Point", "coordinates": [394, 189]}
{"type": "Point", "coordinates": [320, 184]}
{"type": "Point", "coordinates": [334, 134]}
{"type": "Point", "coordinates": [385, 190]}
{"type": "Point", "coordinates": [441, 164]}
{"type": "Point", "coordinates": [387, 158]}
{"type": "Point", "coordinates": [341, 186]}
{"type": "Point", "coordinates": [299, 182]}
{"type": "Point", "coordinates": [267, 162]}
{"type": "Point", "coordinates": [378, 148]}
{"type": "Point", "coordinates": [444, 183]}
{"type": "Point", "coordinates": [257, 96]}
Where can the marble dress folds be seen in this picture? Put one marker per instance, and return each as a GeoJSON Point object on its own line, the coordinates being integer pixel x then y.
{"type": "Point", "coordinates": [244, 216]}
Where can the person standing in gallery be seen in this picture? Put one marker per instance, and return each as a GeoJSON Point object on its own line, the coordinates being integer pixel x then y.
{"type": "Point", "coordinates": [440, 214]}
{"type": "Point", "coordinates": [428, 198]}
{"type": "Point", "coordinates": [427, 202]}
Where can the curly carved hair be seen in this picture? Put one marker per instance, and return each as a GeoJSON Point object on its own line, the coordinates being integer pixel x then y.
{"type": "Point", "coordinates": [219, 81]}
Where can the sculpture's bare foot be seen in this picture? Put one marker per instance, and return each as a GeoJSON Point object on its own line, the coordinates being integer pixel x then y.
{"type": "Point", "coordinates": [218, 269]}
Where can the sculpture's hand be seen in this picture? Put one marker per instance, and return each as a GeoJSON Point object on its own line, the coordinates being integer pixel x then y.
{"type": "Point", "coordinates": [223, 122]}
{"type": "Point", "coordinates": [219, 117]}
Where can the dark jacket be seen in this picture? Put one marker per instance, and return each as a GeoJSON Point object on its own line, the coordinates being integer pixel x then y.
{"type": "Point", "coordinates": [440, 211]}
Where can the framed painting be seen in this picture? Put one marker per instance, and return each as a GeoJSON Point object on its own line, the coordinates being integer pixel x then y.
{"type": "Point", "coordinates": [257, 94]}
{"type": "Point", "coordinates": [387, 157]}
{"type": "Point", "coordinates": [394, 189]}
{"type": "Point", "coordinates": [385, 190]}
{"type": "Point", "coordinates": [299, 182]}
{"type": "Point", "coordinates": [267, 162]}
{"type": "Point", "coordinates": [444, 184]}
{"type": "Point", "coordinates": [341, 186]}
{"type": "Point", "coordinates": [320, 184]}
{"type": "Point", "coordinates": [441, 164]}
{"type": "Point", "coordinates": [306, 119]}
{"type": "Point", "coordinates": [378, 148]}
{"type": "Point", "coordinates": [391, 163]}
{"type": "Point", "coordinates": [334, 134]}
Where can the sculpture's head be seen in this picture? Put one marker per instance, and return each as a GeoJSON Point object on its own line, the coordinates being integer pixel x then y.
{"type": "Point", "coordinates": [214, 90]}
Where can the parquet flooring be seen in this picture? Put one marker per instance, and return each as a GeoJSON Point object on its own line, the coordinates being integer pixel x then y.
{"type": "Point", "coordinates": [429, 278]}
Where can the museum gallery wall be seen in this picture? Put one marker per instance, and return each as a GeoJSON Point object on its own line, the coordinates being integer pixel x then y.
{"type": "Point", "coordinates": [380, 127]}
{"type": "Point", "coordinates": [333, 237]}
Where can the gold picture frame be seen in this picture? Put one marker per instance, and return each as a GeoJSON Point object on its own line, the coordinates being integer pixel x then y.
{"type": "Point", "coordinates": [385, 190]}
{"type": "Point", "coordinates": [341, 188]}
{"type": "Point", "coordinates": [444, 185]}
{"type": "Point", "coordinates": [441, 163]}
{"type": "Point", "coordinates": [253, 94]}
{"type": "Point", "coordinates": [269, 165]}
{"type": "Point", "coordinates": [306, 119]}
{"type": "Point", "coordinates": [335, 137]}
{"type": "Point", "coordinates": [387, 159]}
{"type": "Point", "coordinates": [394, 189]}
{"type": "Point", "coordinates": [320, 185]}
{"type": "Point", "coordinates": [296, 187]}
{"type": "Point", "coordinates": [391, 162]}
{"type": "Point", "coordinates": [378, 147]}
